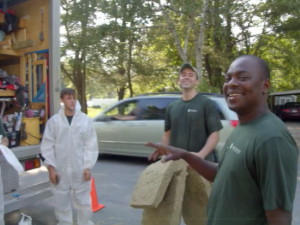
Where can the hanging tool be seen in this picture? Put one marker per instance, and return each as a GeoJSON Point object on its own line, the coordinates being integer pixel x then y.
{"type": "Point", "coordinates": [42, 22]}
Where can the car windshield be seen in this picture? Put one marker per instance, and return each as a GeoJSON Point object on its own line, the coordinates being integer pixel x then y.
{"type": "Point", "coordinates": [292, 105]}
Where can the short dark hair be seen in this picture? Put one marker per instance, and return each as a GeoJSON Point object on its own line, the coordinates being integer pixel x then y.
{"type": "Point", "coordinates": [67, 91]}
{"type": "Point", "coordinates": [262, 64]}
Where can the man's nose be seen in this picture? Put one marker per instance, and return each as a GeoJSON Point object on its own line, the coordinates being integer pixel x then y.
{"type": "Point", "coordinates": [233, 82]}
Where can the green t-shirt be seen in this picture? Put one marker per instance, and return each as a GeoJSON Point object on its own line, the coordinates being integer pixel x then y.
{"type": "Point", "coordinates": [69, 119]}
{"type": "Point", "coordinates": [191, 123]}
{"type": "Point", "coordinates": [2, 130]}
{"type": "Point", "coordinates": [257, 172]}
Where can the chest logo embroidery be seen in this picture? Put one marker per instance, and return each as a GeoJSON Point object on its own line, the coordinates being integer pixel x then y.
{"type": "Point", "coordinates": [192, 110]}
{"type": "Point", "coordinates": [235, 149]}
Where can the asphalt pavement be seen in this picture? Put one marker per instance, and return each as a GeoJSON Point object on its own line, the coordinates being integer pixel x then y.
{"type": "Point", "coordinates": [115, 178]}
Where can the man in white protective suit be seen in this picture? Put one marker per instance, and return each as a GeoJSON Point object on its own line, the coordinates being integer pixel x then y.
{"type": "Point", "coordinates": [70, 149]}
{"type": "Point", "coordinates": [4, 142]}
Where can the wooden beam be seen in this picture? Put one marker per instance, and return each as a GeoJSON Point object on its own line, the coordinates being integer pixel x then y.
{"type": "Point", "coordinates": [22, 23]}
{"type": "Point", "coordinates": [7, 92]}
{"type": "Point", "coordinates": [5, 42]}
{"type": "Point", "coordinates": [39, 62]}
{"type": "Point", "coordinates": [23, 70]}
{"type": "Point", "coordinates": [34, 74]}
{"type": "Point", "coordinates": [10, 52]}
{"type": "Point", "coordinates": [23, 44]}
{"type": "Point", "coordinates": [2, 19]}
{"type": "Point", "coordinates": [29, 61]}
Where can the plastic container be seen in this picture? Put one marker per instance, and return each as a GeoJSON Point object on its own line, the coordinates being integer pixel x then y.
{"type": "Point", "coordinates": [32, 129]}
{"type": "Point", "coordinates": [25, 220]}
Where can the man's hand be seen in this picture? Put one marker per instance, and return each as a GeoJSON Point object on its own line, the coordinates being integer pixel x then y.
{"type": "Point", "coordinates": [170, 152]}
{"type": "Point", "coordinates": [53, 176]}
{"type": "Point", "coordinates": [87, 175]}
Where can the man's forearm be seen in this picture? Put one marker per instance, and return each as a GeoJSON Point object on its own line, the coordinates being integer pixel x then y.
{"type": "Point", "coordinates": [211, 143]}
{"type": "Point", "coordinates": [5, 141]}
{"type": "Point", "coordinates": [279, 217]}
{"type": "Point", "coordinates": [205, 168]}
{"type": "Point", "coordinates": [166, 138]}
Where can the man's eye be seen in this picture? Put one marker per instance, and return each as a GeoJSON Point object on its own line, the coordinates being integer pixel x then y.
{"type": "Point", "coordinates": [227, 79]}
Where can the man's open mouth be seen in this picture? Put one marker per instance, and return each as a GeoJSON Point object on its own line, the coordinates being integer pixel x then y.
{"type": "Point", "coordinates": [234, 95]}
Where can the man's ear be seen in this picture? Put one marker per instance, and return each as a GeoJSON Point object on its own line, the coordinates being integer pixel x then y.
{"type": "Point", "coordinates": [266, 86]}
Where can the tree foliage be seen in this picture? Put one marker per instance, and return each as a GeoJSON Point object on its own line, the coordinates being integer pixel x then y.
{"type": "Point", "coordinates": [120, 48]}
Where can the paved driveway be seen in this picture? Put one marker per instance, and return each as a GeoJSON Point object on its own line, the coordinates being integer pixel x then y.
{"type": "Point", "coordinates": [115, 179]}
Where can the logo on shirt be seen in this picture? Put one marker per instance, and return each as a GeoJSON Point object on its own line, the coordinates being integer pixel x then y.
{"type": "Point", "coordinates": [192, 110]}
{"type": "Point", "coordinates": [235, 149]}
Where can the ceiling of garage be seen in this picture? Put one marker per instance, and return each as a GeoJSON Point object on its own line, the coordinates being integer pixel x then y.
{"type": "Point", "coordinates": [11, 3]}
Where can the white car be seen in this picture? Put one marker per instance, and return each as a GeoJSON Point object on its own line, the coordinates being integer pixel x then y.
{"type": "Point", "coordinates": [127, 137]}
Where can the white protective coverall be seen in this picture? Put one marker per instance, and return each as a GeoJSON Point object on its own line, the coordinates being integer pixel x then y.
{"type": "Point", "coordinates": [70, 149]}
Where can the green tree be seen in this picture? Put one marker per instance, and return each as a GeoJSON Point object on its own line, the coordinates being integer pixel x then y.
{"type": "Point", "coordinates": [80, 40]}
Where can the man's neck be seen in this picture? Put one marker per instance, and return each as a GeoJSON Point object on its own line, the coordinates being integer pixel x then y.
{"type": "Point", "coordinates": [188, 94]}
{"type": "Point", "coordinates": [69, 112]}
{"type": "Point", "coordinates": [253, 114]}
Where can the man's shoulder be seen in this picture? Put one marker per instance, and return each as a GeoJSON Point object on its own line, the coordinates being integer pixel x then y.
{"type": "Point", "coordinates": [175, 103]}
{"type": "Point", "coordinates": [53, 118]}
{"type": "Point", "coordinates": [204, 99]}
{"type": "Point", "coordinates": [84, 116]}
{"type": "Point", "coordinates": [271, 127]}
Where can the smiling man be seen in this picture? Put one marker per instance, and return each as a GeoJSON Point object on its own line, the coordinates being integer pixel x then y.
{"type": "Point", "coordinates": [192, 122]}
{"type": "Point", "coordinates": [255, 180]}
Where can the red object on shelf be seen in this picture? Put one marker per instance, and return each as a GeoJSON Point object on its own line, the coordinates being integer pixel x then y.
{"type": "Point", "coordinates": [11, 11]}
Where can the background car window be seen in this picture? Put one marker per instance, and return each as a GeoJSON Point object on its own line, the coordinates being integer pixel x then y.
{"type": "Point", "coordinates": [154, 108]}
{"type": "Point", "coordinates": [220, 113]}
{"type": "Point", "coordinates": [122, 109]}
{"type": "Point", "coordinates": [292, 105]}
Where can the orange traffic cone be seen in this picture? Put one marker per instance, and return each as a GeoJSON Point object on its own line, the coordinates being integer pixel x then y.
{"type": "Point", "coordinates": [95, 205]}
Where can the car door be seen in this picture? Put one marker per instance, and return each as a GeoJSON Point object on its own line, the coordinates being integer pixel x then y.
{"type": "Point", "coordinates": [112, 133]}
{"type": "Point", "coordinates": [150, 125]}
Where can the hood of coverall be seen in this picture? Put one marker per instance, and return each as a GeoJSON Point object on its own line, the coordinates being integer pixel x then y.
{"type": "Point", "coordinates": [77, 107]}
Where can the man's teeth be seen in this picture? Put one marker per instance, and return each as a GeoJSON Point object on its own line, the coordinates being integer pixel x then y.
{"type": "Point", "coordinates": [230, 95]}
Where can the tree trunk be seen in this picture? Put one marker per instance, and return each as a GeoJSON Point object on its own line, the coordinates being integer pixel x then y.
{"type": "Point", "coordinates": [129, 68]}
{"type": "Point", "coordinates": [181, 53]}
{"type": "Point", "coordinates": [200, 41]}
{"type": "Point", "coordinates": [208, 68]}
{"type": "Point", "coordinates": [121, 93]}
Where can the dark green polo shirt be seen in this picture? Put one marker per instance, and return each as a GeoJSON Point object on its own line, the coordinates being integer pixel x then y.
{"type": "Point", "coordinates": [192, 122]}
{"type": "Point", "coordinates": [257, 172]}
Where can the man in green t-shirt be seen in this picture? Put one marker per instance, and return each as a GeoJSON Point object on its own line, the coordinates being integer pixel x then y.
{"type": "Point", "coordinates": [192, 122]}
{"type": "Point", "coordinates": [255, 180]}
{"type": "Point", "coordinates": [4, 142]}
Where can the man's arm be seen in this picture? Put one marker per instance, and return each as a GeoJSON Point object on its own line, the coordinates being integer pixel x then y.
{"type": "Point", "coordinates": [206, 169]}
{"type": "Point", "coordinates": [121, 117]}
{"type": "Point", "coordinates": [276, 163]}
{"type": "Point", "coordinates": [167, 130]}
{"type": "Point", "coordinates": [279, 217]}
{"type": "Point", "coordinates": [5, 141]}
{"type": "Point", "coordinates": [211, 143]}
{"type": "Point", "coordinates": [166, 138]}
{"type": "Point", "coordinates": [213, 125]}
{"type": "Point", "coordinates": [90, 147]}
{"type": "Point", "coordinates": [48, 143]}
